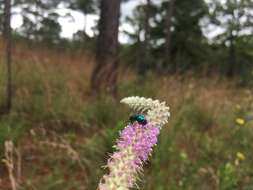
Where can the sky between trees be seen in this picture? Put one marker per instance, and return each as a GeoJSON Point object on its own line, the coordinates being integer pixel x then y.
{"type": "Point", "coordinates": [77, 22]}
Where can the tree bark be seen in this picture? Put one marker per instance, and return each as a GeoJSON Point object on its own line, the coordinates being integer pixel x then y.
{"type": "Point", "coordinates": [144, 61]}
{"type": "Point", "coordinates": [231, 71]}
{"type": "Point", "coordinates": [105, 73]}
{"type": "Point", "coordinates": [8, 52]}
{"type": "Point", "coordinates": [168, 33]}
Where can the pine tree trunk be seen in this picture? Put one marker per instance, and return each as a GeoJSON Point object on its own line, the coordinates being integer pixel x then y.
{"type": "Point", "coordinates": [145, 58]}
{"type": "Point", "coordinates": [168, 33]}
{"type": "Point", "coordinates": [7, 42]}
{"type": "Point", "coordinates": [231, 71]}
{"type": "Point", "coordinates": [104, 76]}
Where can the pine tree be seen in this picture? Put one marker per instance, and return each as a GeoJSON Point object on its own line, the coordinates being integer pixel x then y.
{"type": "Point", "coordinates": [8, 52]}
{"type": "Point", "coordinates": [168, 31]}
{"type": "Point", "coordinates": [235, 17]}
{"type": "Point", "coordinates": [105, 73]}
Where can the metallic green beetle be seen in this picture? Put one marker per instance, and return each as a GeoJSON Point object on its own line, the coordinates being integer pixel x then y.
{"type": "Point", "coordinates": [139, 118]}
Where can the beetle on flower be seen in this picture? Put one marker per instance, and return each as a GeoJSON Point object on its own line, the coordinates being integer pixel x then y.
{"type": "Point", "coordinates": [135, 143]}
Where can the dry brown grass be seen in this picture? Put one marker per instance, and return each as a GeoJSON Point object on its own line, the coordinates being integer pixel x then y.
{"type": "Point", "coordinates": [76, 66]}
{"type": "Point", "coordinates": [212, 94]}
{"type": "Point", "coordinates": [51, 67]}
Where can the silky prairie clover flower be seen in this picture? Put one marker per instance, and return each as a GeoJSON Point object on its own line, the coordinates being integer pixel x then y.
{"type": "Point", "coordinates": [135, 144]}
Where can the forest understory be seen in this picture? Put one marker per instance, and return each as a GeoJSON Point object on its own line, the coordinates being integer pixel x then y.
{"type": "Point", "coordinates": [63, 136]}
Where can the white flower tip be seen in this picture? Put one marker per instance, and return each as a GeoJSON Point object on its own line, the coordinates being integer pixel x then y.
{"type": "Point", "coordinates": [157, 112]}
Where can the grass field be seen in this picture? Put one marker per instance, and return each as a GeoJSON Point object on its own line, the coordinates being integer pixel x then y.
{"type": "Point", "coordinates": [63, 135]}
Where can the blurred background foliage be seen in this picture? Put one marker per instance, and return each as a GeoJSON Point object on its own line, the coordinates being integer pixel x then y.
{"type": "Point", "coordinates": [196, 55]}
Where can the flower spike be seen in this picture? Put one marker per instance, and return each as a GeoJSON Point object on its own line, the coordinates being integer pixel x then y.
{"type": "Point", "coordinates": [135, 144]}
